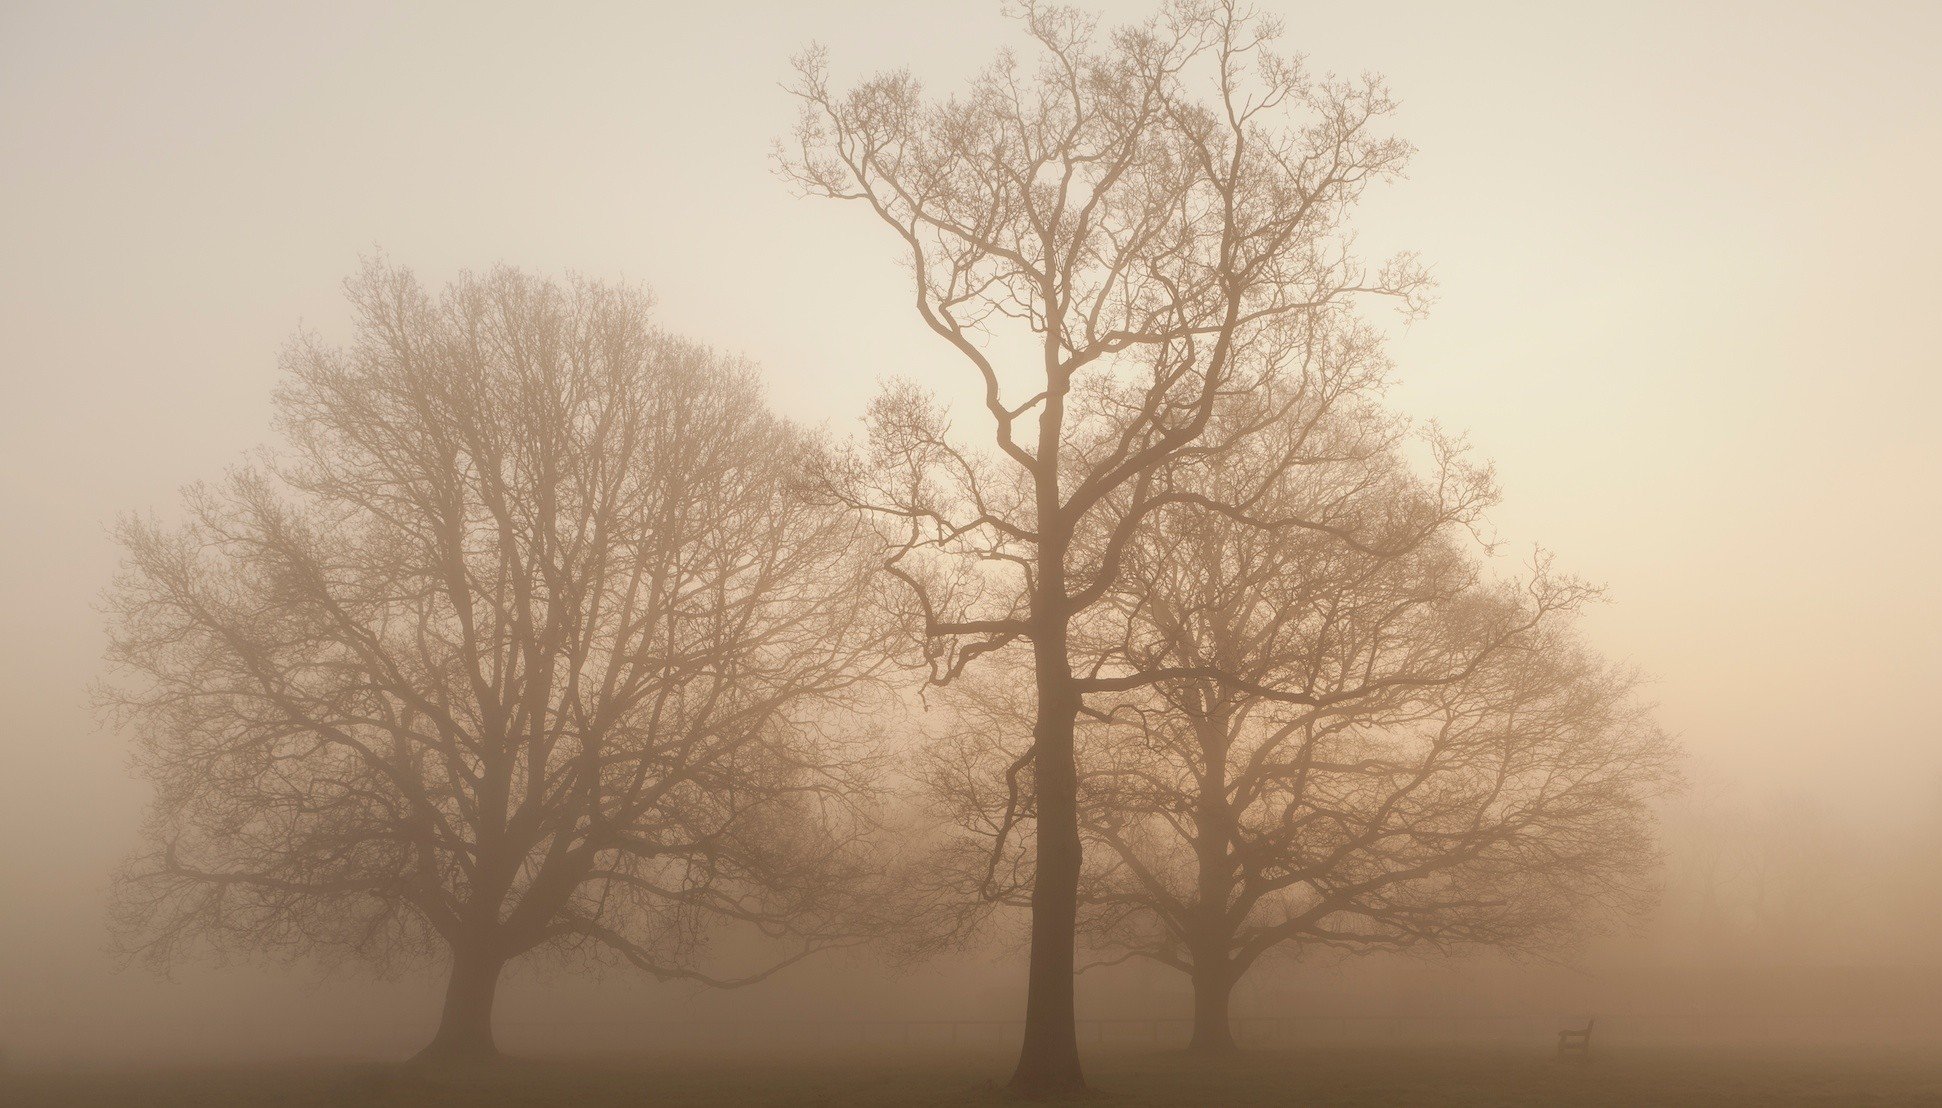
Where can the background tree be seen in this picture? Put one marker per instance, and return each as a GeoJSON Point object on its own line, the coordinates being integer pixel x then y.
{"type": "Point", "coordinates": [1147, 225]}
{"type": "Point", "coordinates": [527, 642]}
{"type": "Point", "coordinates": [1770, 879]}
{"type": "Point", "coordinates": [1364, 743]}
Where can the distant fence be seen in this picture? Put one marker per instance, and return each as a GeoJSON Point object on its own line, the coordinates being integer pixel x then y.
{"type": "Point", "coordinates": [1166, 1032]}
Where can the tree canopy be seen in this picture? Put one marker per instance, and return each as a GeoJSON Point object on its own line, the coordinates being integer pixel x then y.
{"type": "Point", "coordinates": [527, 640]}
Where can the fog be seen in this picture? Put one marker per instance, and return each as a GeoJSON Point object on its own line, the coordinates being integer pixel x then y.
{"type": "Point", "coordinates": [1684, 269]}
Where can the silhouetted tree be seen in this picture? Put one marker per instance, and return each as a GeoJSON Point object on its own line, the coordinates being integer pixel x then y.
{"type": "Point", "coordinates": [1361, 743]}
{"type": "Point", "coordinates": [1142, 228]}
{"type": "Point", "coordinates": [527, 642]}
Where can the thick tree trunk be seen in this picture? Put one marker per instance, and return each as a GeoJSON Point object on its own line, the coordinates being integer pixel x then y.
{"type": "Point", "coordinates": [1048, 1065]}
{"type": "Point", "coordinates": [1213, 986]}
{"type": "Point", "coordinates": [1213, 973]}
{"type": "Point", "coordinates": [465, 1026]}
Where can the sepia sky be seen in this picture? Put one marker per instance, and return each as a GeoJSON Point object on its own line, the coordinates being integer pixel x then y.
{"type": "Point", "coordinates": [1688, 275]}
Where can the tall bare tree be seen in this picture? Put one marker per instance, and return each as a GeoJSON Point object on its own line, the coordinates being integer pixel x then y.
{"type": "Point", "coordinates": [1362, 742]}
{"type": "Point", "coordinates": [1144, 226]}
{"type": "Point", "coordinates": [527, 642]}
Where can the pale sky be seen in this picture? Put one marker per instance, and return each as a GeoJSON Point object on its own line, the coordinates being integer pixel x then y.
{"type": "Point", "coordinates": [1687, 255]}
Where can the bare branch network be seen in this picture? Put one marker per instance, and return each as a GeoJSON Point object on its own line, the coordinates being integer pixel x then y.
{"type": "Point", "coordinates": [528, 642]}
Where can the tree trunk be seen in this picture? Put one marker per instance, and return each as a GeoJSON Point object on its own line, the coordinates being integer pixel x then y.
{"type": "Point", "coordinates": [1213, 985]}
{"type": "Point", "coordinates": [1048, 1064]}
{"type": "Point", "coordinates": [465, 1026]}
{"type": "Point", "coordinates": [1213, 974]}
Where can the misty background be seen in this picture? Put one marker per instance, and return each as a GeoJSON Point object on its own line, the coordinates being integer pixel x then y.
{"type": "Point", "coordinates": [1687, 283]}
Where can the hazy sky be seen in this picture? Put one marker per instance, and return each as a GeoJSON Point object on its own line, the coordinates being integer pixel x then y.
{"type": "Point", "coordinates": [1687, 254]}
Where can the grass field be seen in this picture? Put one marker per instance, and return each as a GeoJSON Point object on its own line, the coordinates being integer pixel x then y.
{"type": "Point", "coordinates": [1121, 1077]}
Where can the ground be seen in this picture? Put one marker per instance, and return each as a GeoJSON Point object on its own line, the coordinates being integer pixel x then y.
{"type": "Point", "coordinates": [1367, 1076]}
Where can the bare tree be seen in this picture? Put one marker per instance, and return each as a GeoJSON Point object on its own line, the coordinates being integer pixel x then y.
{"type": "Point", "coordinates": [1364, 744]}
{"type": "Point", "coordinates": [528, 642]}
{"type": "Point", "coordinates": [1145, 227]}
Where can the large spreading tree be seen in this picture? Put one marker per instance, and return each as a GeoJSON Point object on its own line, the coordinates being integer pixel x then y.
{"type": "Point", "coordinates": [531, 639]}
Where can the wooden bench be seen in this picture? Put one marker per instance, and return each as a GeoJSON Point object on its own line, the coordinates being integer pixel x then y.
{"type": "Point", "coordinates": [1575, 1042]}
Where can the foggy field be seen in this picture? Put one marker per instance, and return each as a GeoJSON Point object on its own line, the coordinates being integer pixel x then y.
{"type": "Point", "coordinates": [1333, 1077]}
{"type": "Point", "coordinates": [1150, 552]}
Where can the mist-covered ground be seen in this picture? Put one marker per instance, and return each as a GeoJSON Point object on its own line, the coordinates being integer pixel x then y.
{"type": "Point", "coordinates": [1679, 255]}
{"type": "Point", "coordinates": [1366, 1075]}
